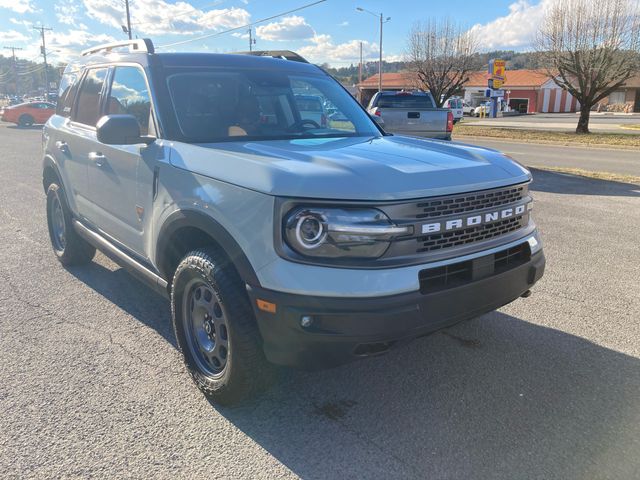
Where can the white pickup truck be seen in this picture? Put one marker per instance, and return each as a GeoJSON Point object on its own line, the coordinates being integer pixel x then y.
{"type": "Point", "coordinates": [411, 113]}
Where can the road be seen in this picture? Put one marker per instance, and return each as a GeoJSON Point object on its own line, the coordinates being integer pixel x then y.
{"type": "Point", "coordinates": [598, 122]}
{"type": "Point", "coordinates": [91, 383]}
{"type": "Point", "coordinates": [620, 161]}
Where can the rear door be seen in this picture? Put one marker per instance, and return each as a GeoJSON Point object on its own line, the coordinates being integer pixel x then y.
{"type": "Point", "coordinates": [121, 176]}
{"type": "Point", "coordinates": [74, 135]}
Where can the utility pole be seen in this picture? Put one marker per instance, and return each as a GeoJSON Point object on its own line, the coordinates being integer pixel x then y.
{"type": "Point", "coordinates": [382, 22]}
{"type": "Point", "coordinates": [360, 66]}
{"type": "Point", "coordinates": [252, 41]}
{"type": "Point", "coordinates": [42, 29]}
{"type": "Point", "coordinates": [126, 3]}
{"type": "Point", "coordinates": [14, 65]}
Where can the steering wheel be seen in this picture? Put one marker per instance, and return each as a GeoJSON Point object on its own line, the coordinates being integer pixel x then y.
{"type": "Point", "coordinates": [302, 123]}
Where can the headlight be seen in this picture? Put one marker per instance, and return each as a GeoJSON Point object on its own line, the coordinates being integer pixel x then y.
{"type": "Point", "coordinates": [338, 233]}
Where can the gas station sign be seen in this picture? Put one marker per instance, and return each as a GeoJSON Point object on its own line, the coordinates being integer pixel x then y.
{"type": "Point", "coordinates": [497, 73]}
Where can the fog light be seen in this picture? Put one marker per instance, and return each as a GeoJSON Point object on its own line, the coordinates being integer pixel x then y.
{"type": "Point", "coordinates": [306, 321]}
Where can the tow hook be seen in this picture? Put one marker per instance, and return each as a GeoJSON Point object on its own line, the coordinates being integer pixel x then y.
{"type": "Point", "coordinates": [526, 294]}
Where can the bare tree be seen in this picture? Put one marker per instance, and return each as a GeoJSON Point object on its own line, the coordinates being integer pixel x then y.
{"type": "Point", "coordinates": [441, 54]}
{"type": "Point", "coordinates": [590, 48]}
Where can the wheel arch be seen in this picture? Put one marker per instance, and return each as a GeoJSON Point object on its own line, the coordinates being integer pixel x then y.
{"type": "Point", "coordinates": [50, 173]}
{"type": "Point", "coordinates": [185, 230]}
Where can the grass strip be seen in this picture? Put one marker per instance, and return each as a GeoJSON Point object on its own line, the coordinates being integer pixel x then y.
{"type": "Point", "coordinates": [614, 177]}
{"type": "Point", "coordinates": [620, 140]}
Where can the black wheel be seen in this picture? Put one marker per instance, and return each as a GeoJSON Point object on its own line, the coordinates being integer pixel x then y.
{"type": "Point", "coordinates": [69, 247]}
{"type": "Point", "coordinates": [25, 120]}
{"type": "Point", "coordinates": [216, 330]}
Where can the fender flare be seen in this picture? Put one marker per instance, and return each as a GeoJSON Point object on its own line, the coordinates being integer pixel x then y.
{"type": "Point", "coordinates": [49, 162]}
{"type": "Point", "coordinates": [201, 221]}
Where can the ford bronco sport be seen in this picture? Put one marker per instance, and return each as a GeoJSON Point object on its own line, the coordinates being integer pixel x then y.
{"type": "Point", "coordinates": [280, 240]}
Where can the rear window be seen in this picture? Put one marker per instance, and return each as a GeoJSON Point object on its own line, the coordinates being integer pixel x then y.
{"type": "Point", "coordinates": [67, 93]}
{"type": "Point", "coordinates": [88, 107]}
{"type": "Point", "coordinates": [405, 101]}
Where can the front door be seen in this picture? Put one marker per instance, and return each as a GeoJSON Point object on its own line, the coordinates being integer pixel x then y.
{"type": "Point", "coordinates": [121, 176]}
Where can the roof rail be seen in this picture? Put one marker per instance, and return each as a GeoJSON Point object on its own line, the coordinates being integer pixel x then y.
{"type": "Point", "coordinates": [139, 45]}
{"type": "Point", "coordinates": [283, 54]}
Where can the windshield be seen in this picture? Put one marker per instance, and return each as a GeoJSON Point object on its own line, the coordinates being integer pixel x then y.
{"type": "Point", "coordinates": [213, 105]}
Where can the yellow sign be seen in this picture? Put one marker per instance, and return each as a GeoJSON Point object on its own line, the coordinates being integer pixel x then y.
{"type": "Point", "coordinates": [499, 70]}
{"type": "Point", "coordinates": [497, 83]}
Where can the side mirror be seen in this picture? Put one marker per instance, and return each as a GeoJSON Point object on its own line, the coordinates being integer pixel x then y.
{"type": "Point", "coordinates": [120, 130]}
{"type": "Point", "coordinates": [377, 119]}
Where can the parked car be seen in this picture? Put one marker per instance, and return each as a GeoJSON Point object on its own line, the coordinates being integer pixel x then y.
{"type": "Point", "coordinates": [483, 109]}
{"type": "Point", "coordinates": [467, 108]}
{"type": "Point", "coordinates": [279, 241]}
{"type": "Point", "coordinates": [27, 114]}
{"type": "Point", "coordinates": [311, 109]}
{"type": "Point", "coordinates": [412, 113]}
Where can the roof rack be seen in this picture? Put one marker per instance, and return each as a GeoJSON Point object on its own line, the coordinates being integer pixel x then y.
{"type": "Point", "coordinates": [139, 45]}
{"type": "Point", "coordinates": [283, 54]}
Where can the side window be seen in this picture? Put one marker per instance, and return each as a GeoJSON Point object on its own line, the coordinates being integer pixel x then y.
{"type": "Point", "coordinates": [129, 95]}
{"type": "Point", "coordinates": [67, 93]}
{"type": "Point", "coordinates": [88, 106]}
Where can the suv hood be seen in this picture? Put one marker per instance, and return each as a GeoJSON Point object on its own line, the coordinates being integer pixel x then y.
{"type": "Point", "coordinates": [379, 168]}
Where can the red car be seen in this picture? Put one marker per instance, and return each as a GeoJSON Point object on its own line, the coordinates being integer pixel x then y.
{"type": "Point", "coordinates": [27, 114]}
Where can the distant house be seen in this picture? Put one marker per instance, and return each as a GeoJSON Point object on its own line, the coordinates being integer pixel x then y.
{"type": "Point", "coordinates": [390, 81]}
{"type": "Point", "coordinates": [526, 91]}
{"type": "Point", "coordinates": [627, 96]}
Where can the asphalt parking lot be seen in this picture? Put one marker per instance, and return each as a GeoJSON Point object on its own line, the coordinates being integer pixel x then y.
{"type": "Point", "coordinates": [548, 387]}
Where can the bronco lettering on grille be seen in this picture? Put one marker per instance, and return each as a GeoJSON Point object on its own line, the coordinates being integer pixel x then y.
{"type": "Point", "coordinates": [473, 220]}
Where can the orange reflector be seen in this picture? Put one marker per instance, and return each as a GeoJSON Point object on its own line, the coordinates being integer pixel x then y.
{"type": "Point", "coordinates": [266, 306]}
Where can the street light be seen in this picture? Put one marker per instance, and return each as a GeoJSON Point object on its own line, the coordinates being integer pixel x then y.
{"type": "Point", "coordinates": [382, 21]}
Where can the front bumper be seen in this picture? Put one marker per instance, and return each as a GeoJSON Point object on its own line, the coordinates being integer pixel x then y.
{"type": "Point", "coordinates": [345, 329]}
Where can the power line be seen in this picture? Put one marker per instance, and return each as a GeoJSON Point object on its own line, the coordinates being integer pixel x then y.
{"type": "Point", "coordinates": [216, 34]}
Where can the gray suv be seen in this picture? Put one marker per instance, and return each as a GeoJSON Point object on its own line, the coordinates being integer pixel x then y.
{"type": "Point", "coordinates": [280, 240]}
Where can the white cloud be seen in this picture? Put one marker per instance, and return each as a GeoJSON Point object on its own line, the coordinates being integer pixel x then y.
{"type": "Point", "coordinates": [324, 50]}
{"type": "Point", "coordinates": [158, 17]}
{"type": "Point", "coordinates": [287, 29]}
{"type": "Point", "coordinates": [515, 30]}
{"type": "Point", "coordinates": [12, 36]}
{"type": "Point", "coordinates": [344, 24]}
{"type": "Point", "coordinates": [67, 11]}
{"type": "Point", "coordinates": [18, 6]}
{"type": "Point", "coordinates": [25, 23]}
{"type": "Point", "coordinates": [64, 46]}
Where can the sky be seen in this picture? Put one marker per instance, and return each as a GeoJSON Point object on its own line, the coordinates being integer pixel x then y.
{"type": "Point", "coordinates": [330, 31]}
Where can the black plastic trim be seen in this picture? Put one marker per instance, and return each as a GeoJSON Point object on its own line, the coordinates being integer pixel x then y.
{"type": "Point", "coordinates": [121, 258]}
{"type": "Point", "coordinates": [192, 218]}
{"type": "Point", "coordinates": [345, 326]}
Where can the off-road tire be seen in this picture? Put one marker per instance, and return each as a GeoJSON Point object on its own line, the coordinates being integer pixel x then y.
{"type": "Point", "coordinates": [75, 250]}
{"type": "Point", "coordinates": [246, 371]}
{"type": "Point", "coordinates": [25, 120]}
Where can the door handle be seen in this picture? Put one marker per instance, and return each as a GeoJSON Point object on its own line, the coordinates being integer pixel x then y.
{"type": "Point", "coordinates": [62, 146]}
{"type": "Point", "coordinates": [97, 158]}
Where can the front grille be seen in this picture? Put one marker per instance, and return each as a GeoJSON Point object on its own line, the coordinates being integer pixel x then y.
{"type": "Point", "coordinates": [452, 205]}
{"type": "Point", "coordinates": [439, 241]}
